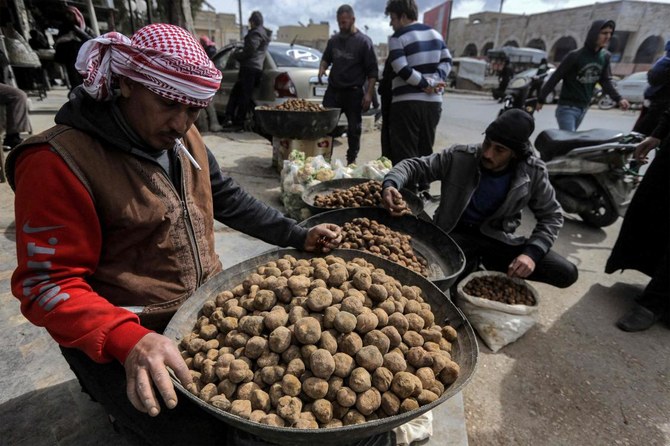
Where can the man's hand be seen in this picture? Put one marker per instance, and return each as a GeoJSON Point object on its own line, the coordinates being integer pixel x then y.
{"type": "Point", "coordinates": [438, 88]}
{"type": "Point", "coordinates": [624, 104]}
{"type": "Point", "coordinates": [642, 149]}
{"type": "Point", "coordinates": [538, 107]}
{"type": "Point", "coordinates": [390, 199]}
{"type": "Point", "coordinates": [322, 71]}
{"type": "Point", "coordinates": [146, 367]}
{"type": "Point", "coordinates": [365, 104]}
{"type": "Point", "coordinates": [323, 237]}
{"type": "Point", "coordinates": [522, 266]}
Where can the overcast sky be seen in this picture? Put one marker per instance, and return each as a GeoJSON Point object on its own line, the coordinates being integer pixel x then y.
{"type": "Point", "coordinates": [370, 13]}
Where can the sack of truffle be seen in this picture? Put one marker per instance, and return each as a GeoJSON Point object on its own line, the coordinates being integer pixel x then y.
{"type": "Point", "coordinates": [500, 308]}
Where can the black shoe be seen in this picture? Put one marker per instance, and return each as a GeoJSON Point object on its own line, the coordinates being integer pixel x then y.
{"type": "Point", "coordinates": [11, 141]}
{"type": "Point", "coordinates": [639, 318]}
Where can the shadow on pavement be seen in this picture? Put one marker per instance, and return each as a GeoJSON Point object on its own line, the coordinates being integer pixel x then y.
{"type": "Point", "coordinates": [55, 416]}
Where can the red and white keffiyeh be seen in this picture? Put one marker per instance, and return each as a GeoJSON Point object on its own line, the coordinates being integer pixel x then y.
{"type": "Point", "coordinates": [165, 58]}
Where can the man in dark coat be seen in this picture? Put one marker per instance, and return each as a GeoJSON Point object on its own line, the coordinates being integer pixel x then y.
{"type": "Point", "coordinates": [644, 240]}
{"type": "Point", "coordinates": [251, 57]}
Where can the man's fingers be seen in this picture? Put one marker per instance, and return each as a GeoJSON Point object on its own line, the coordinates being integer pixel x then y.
{"type": "Point", "coordinates": [161, 379]}
{"type": "Point", "coordinates": [141, 393]}
{"type": "Point", "coordinates": [131, 392]}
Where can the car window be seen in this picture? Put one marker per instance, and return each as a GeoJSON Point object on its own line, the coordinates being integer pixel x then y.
{"type": "Point", "coordinates": [224, 62]}
{"type": "Point", "coordinates": [295, 56]}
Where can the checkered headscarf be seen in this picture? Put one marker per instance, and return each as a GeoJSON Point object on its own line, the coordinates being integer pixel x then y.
{"type": "Point", "coordinates": [165, 58]}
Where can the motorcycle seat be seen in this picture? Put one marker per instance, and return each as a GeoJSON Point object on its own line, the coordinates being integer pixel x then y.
{"type": "Point", "coordinates": [554, 142]}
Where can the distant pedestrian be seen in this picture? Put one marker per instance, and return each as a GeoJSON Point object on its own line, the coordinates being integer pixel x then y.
{"type": "Point", "coordinates": [16, 103]}
{"type": "Point", "coordinates": [504, 76]}
{"type": "Point", "coordinates": [72, 33]}
{"type": "Point", "coordinates": [656, 95]}
{"type": "Point", "coordinates": [353, 75]}
{"type": "Point", "coordinates": [421, 63]}
{"type": "Point", "coordinates": [209, 46]}
{"type": "Point", "coordinates": [580, 71]}
{"type": "Point", "coordinates": [251, 57]}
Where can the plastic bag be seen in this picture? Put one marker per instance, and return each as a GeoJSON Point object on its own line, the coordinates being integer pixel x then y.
{"type": "Point", "coordinates": [416, 429]}
{"type": "Point", "coordinates": [498, 324]}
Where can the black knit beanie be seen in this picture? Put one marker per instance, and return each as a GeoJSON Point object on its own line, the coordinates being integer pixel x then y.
{"type": "Point", "coordinates": [512, 129]}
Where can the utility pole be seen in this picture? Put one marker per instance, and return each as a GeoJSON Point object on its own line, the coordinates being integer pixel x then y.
{"type": "Point", "coordinates": [239, 9]}
{"type": "Point", "coordinates": [495, 42]}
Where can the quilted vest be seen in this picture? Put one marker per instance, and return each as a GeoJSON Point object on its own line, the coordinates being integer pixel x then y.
{"type": "Point", "coordinates": [158, 240]}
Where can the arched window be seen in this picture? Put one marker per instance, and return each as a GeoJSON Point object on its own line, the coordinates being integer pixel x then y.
{"type": "Point", "coordinates": [485, 49]}
{"type": "Point", "coordinates": [650, 50]}
{"type": "Point", "coordinates": [512, 43]}
{"type": "Point", "coordinates": [470, 50]}
{"type": "Point", "coordinates": [538, 44]}
{"type": "Point", "coordinates": [562, 47]}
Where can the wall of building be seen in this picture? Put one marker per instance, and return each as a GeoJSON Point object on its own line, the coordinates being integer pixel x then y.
{"type": "Point", "coordinates": [220, 27]}
{"type": "Point", "coordinates": [314, 35]}
{"type": "Point", "coordinates": [639, 20]}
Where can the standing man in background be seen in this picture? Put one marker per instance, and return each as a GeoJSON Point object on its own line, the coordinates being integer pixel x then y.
{"type": "Point", "coordinates": [421, 63]}
{"type": "Point", "coordinates": [353, 60]}
{"type": "Point", "coordinates": [251, 57]}
{"type": "Point", "coordinates": [581, 70]}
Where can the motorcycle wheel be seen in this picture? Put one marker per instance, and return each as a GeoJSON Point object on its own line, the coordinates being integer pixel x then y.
{"type": "Point", "coordinates": [606, 103]}
{"type": "Point", "coordinates": [603, 214]}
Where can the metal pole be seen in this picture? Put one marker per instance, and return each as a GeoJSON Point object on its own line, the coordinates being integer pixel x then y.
{"type": "Point", "coordinates": [150, 4]}
{"type": "Point", "coordinates": [495, 42]}
{"type": "Point", "coordinates": [239, 7]}
{"type": "Point", "coordinates": [94, 19]}
{"type": "Point", "coordinates": [132, 20]}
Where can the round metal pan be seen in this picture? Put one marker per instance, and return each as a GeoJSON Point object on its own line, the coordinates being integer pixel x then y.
{"type": "Point", "coordinates": [445, 258]}
{"type": "Point", "coordinates": [464, 350]}
{"type": "Point", "coordinates": [298, 124]}
{"type": "Point", "coordinates": [328, 187]}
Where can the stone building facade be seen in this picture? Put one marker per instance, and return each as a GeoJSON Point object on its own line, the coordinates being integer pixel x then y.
{"type": "Point", "coordinates": [314, 35]}
{"type": "Point", "coordinates": [641, 32]}
{"type": "Point", "coordinates": [222, 28]}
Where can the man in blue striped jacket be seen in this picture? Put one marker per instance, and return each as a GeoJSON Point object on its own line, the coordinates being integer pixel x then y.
{"type": "Point", "coordinates": [421, 63]}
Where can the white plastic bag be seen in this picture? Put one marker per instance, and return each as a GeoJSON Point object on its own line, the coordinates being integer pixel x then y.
{"type": "Point", "coordinates": [498, 324]}
{"type": "Point", "coordinates": [416, 429]}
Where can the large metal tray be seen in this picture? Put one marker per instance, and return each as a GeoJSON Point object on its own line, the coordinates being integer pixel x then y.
{"type": "Point", "coordinates": [465, 350]}
{"type": "Point", "coordinates": [298, 124]}
{"type": "Point", "coordinates": [445, 258]}
{"type": "Point", "coordinates": [414, 203]}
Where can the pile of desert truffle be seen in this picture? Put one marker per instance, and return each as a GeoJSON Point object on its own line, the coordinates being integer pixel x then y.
{"type": "Point", "coordinates": [500, 289]}
{"type": "Point", "coordinates": [319, 343]}
{"type": "Point", "coordinates": [365, 194]}
{"type": "Point", "coordinates": [296, 105]}
{"type": "Point", "coordinates": [372, 236]}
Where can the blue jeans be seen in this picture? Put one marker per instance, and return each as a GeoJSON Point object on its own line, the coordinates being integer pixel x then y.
{"type": "Point", "coordinates": [569, 117]}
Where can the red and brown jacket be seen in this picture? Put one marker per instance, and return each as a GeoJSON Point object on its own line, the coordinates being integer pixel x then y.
{"type": "Point", "coordinates": [123, 231]}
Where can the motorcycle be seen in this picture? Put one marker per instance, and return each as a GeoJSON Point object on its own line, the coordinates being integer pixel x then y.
{"type": "Point", "coordinates": [590, 171]}
{"type": "Point", "coordinates": [517, 95]}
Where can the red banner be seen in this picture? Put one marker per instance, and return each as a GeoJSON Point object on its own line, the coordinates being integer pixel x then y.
{"type": "Point", "coordinates": [438, 18]}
